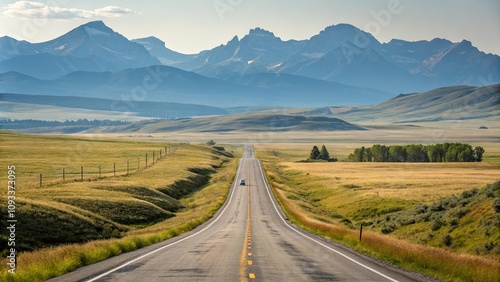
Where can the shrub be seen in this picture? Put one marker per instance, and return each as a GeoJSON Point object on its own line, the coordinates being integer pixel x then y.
{"type": "Point", "coordinates": [420, 209]}
{"type": "Point", "coordinates": [469, 194]}
{"type": "Point", "coordinates": [346, 221]}
{"type": "Point", "coordinates": [447, 240]}
{"type": "Point", "coordinates": [388, 228]}
{"type": "Point", "coordinates": [436, 225]}
{"type": "Point", "coordinates": [489, 246]}
{"type": "Point", "coordinates": [496, 205]}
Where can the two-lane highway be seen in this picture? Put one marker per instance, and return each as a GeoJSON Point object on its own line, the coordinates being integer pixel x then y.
{"type": "Point", "coordinates": [248, 239]}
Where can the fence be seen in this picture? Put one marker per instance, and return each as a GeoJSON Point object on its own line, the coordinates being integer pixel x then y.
{"type": "Point", "coordinates": [94, 172]}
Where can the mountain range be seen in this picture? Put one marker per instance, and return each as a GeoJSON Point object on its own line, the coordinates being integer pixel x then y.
{"type": "Point", "coordinates": [341, 65]}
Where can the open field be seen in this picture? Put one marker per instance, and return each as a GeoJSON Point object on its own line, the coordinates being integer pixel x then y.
{"type": "Point", "coordinates": [179, 192]}
{"type": "Point", "coordinates": [333, 199]}
{"type": "Point", "coordinates": [48, 155]}
{"type": "Point", "coordinates": [420, 182]}
{"type": "Point", "coordinates": [341, 143]}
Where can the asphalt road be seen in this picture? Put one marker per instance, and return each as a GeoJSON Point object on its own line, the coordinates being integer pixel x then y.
{"type": "Point", "coordinates": [248, 239]}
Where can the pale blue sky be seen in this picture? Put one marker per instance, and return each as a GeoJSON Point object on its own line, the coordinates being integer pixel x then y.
{"type": "Point", "coordinates": [189, 26]}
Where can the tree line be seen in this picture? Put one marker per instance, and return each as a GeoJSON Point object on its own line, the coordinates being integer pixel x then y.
{"type": "Point", "coordinates": [447, 152]}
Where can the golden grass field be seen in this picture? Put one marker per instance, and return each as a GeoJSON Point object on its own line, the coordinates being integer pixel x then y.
{"type": "Point", "coordinates": [423, 182]}
{"type": "Point", "coordinates": [332, 199]}
{"type": "Point", "coordinates": [113, 214]}
{"type": "Point", "coordinates": [48, 155]}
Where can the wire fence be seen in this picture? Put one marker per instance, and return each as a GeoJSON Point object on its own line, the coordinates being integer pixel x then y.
{"type": "Point", "coordinates": [92, 172]}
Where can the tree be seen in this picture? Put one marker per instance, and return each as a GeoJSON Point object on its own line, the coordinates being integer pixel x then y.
{"type": "Point", "coordinates": [434, 153]}
{"type": "Point", "coordinates": [416, 153]}
{"type": "Point", "coordinates": [351, 157]}
{"type": "Point", "coordinates": [369, 155]}
{"type": "Point", "coordinates": [324, 155]}
{"type": "Point", "coordinates": [379, 153]}
{"type": "Point", "coordinates": [361, 154]}
{"type": "Point", "coordinates": [478, 153]}
{"type": "Point", "coordinates": [466, 154]}
{"type": "Point", "coordinates": [397, 154]}
{"type": "Point", "coordinates": [315, 153]}
{"type": "Point", "coordinates": [451, 153]}
{"type": "Point", "coordinates": [210, 142]}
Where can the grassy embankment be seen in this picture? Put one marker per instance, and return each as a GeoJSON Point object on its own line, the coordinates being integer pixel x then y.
{"type": "Point", "coordinates": [70, 224]}
{"type": "Point", "coordinates": [454, 238]}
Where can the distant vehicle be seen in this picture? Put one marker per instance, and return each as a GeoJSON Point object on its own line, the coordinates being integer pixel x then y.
{"type": "Point", "coordinates": [243, 181]}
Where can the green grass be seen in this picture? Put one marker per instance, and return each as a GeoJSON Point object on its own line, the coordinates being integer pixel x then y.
{"type": "Point", "coordinates": [71, 224]}
{"type": "Point", "coordinates": [334, 199]}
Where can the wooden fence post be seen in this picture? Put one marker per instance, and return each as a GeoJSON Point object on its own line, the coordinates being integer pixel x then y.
{"type": "Point", "coordinates": [63, 174]}
{"type": "Point", "coordinates": [360, 231]}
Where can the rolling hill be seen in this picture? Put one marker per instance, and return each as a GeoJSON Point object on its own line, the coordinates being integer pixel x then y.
{"type": "Point", "coordinates": [448, 103]}
{"type": "Point", "coordinates": [442, 104]}
{"type": "Point", "coordinates": [122, 109]}
{"type": "Point", "coordinates": [261, 122]}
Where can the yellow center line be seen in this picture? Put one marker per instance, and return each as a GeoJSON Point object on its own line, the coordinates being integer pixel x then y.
{"type": "Point", "coordinates": [247, 245]}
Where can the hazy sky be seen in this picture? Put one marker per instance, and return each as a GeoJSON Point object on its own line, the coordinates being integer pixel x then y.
{"type": "Point", "coordinates": [189, 26]}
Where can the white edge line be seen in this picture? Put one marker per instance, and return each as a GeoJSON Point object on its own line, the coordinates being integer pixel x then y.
{"type": "Point", "coordinates": [171, 244]}
{"type": "Point", "coordinates": [312, 239]}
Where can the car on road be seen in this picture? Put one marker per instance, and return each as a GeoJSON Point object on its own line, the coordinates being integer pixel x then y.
{"type": "Point", "coordinates": [243, 181]}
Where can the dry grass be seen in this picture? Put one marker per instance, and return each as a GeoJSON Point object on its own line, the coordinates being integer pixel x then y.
{"type": "Point", "coordinates": [125, 207]}
{"type": "Point", "coordinates": [424, 182]}
{"type": "Point", "coordinates": [48, 155]}
{"type": "Point", "coordinates": [50, 262]}
{"type": "Point", "coordinates": [436, 262]}
{"type": "Point", "coordinates": [332, 198]}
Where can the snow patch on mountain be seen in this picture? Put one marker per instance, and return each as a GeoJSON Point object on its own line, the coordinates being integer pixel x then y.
{"type": "Point", "coordinates": [95, 32]}
{"type": "Point", "coordinates": [60, 48]}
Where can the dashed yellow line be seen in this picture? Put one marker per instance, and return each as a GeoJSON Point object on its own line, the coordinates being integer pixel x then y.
{"type": "Point", "coordinates": [247, 245]}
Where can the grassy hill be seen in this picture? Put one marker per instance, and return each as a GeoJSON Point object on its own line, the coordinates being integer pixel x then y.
{"type": "Point", "coordinates": [45, 107]}
{"type": "Point", "coordinates": [76, 211]}
{"type": "Point", "coordinates": [239, 122]}
{"type": "Point", "coordinates": [447, 103]}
